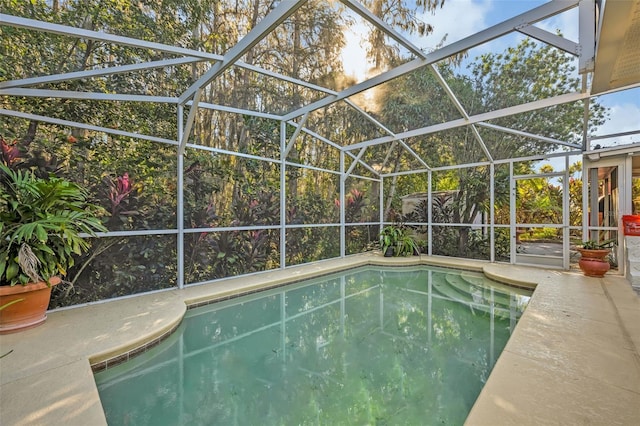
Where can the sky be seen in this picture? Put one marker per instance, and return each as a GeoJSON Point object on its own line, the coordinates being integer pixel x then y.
{"type": "Point", "coordinates": [458, 19]}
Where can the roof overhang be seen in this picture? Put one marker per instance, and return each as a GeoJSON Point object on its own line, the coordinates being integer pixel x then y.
{"type": "Point", "coordinates": [617, 61]}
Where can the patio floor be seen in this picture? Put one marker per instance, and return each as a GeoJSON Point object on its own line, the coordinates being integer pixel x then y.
{"type": "Point", "coordinates": [573, 358]}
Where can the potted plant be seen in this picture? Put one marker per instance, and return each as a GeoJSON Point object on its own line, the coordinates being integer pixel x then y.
{"type": "Point", "coordinates": [389, 239]}
{"type": "Point", "coordinates": [41, 220]}
{"type": "Point", "coordinates": [593, 262]}
{"type": "Point", "coordinates": [396, 241]}
{"type": "Point", "coordinates": [407, 245]}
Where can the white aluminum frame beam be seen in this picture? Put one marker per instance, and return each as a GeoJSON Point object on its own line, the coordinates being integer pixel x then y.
{"type": "Point", "coordinates": [68, 123]}
{"type": "Point", "coordinates": [223, 108]}
{"type": "Point", "coordinates": [282, 11]}
{"type": "Point", "coordinates": [585, 115]}
{"type": "Point", "coordinates": [318, 136]}
{"type": "Point", "coordinates": [492, 212]}
{"type": "Point", "coordinates": [460, 109]}
{"type": "Point", "coordinates": [283, 196]}
{"type": "Point", "coordinates": [442, 168]}
{"type": "Point", "coordinates": [486, 163]}
{"type": "Point", "coordinates": [343, 203]}
{"type": "Point", "coordinates": [615, 135]}
{"type": "Point", "coordinates": [96, 96]}
{"type": "Point", "coordinates": [407, 172]}
{"type": "Point", "coordinates": [538, 157]}
{"type": "Point", "coordinates": [392, 146]}
{"type": "Point", "coordinates": [587, 35]}
{"type": "Point", "coordinates": [365, 13]}
{"type": "Point", "coordinates": [180, 200]}
{"type": "Point", "coordinates": [265, 159]}
{"type": "Point", "coordinates": [534, 15]}
{"type": "Point", "coordinates": [75, 32]}
{"type": "Point", "coordinates": [334, 145]}
{"type": "Point", "coordinates": [552, 39]}
{"type": "Point", "coordinates": [529, 135]}
{"type": "Point", "coordinates": [373, 19]}
{"type": "Point", "coordinates": [100, 72]}
{"type": "Point", "coordinates": [231, 153]}
{"type": "Point", "coordinates": [386, 129]}
{"type": "Point", "coordinates": [295, 135]}
{"type": "Point", "coordinates": [492, 115]}
{"type": "Point", "coordinates": [385, 28]}
{"type": "Point", "coordinates": [566, 217]}
{"type": "Point", "coordinates": [354, 163]}
{"type": "Point", "coordinates": [186, 131]}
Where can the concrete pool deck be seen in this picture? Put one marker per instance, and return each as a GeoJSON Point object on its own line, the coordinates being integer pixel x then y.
{"type": "Point", "coordinates": [573, 358]}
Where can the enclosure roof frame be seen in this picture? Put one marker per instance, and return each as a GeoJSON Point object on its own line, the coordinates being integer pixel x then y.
{"type": "Point", "coordinates": [523, 23]}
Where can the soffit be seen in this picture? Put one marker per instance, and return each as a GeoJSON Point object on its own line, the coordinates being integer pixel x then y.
{"type": "Point", "coordinates": [617, 61]}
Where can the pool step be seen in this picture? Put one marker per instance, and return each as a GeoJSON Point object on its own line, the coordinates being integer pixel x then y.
{"type": "Point", "coordinates": [444, 286]}
{"type": "Point", "coordinates": [501, 293]}
{"type": "Point", "coordinates": [477, 286]}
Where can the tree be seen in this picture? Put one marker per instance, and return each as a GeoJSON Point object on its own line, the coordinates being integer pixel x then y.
{"type": "Point", "coordinates": [401, 15]}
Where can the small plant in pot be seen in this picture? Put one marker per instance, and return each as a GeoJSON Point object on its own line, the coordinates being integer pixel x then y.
{"type": "Point", "coordinates": [593, 254]}
{"type": "Point", "coordinates": [41, 220]}
{"type": "Point", "coordinates": [396, 241]}
{"type": "Point", "coordinates": [389, 239]}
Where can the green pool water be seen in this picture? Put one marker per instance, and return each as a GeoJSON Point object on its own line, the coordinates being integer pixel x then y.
{"type": "Point", "coordinates": [386, 346]}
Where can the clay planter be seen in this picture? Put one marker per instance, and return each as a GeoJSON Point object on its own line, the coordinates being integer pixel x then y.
{"type": "Point", "coordinates": [593, 267]}
{"type": "Point", "coordinates": [28, 312]}
{"type": "Point", "coordinates": [592, 262]}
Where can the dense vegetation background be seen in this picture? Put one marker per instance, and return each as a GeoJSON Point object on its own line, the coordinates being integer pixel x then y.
{"type": "Point", "coordinates": [232, 168]}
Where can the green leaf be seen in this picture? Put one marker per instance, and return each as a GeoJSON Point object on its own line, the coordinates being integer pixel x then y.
{"type": "Point", "coordinates": [41, 234]}
{"type": "Point", "coordinates": [12, 270]}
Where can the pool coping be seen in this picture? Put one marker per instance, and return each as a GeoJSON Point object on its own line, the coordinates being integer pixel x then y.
{"type": "Point", "coordinates": [47, 379]}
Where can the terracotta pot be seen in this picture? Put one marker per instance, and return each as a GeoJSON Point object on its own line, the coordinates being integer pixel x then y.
{"type": "Point", "coordinates": [599, 254]}
{"type": "Point", "coordinates": [30, 309]}
{"type": "Point", "coordinates": [594, 267]}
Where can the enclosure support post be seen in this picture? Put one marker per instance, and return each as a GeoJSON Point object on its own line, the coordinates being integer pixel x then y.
{"type": "Point", "coordinates": [585, 199]}
{"type": "Point", "coordinates": [587, 36]}
{"type": "Point", "coordinates": [381, 203]}
{"type": "Point", "coordinates": [180, 201]}
{"type": "Point", "coordinates": [594, 203]}
{"type": "Point", "coordinates": [566, 220]}
{"type": "Point", "coordinates": [283, 194]}
{"type": "Point", "coordinates": [626, 207]}
{"type": "Point", "coordinates": [512, 215]}
{"type": "Point", "coordinates": [492, 201]}
{"type": "Point", "coordinates": [586, 143]}
{"type": "Point", "coordinates": [343, 177]}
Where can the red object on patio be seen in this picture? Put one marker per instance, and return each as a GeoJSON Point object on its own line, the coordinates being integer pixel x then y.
{"type": "Point", "coordinates": [631, 223]}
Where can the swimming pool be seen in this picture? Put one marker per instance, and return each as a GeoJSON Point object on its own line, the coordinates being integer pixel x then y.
{"type": "Point", "coordinates": [369, 345]}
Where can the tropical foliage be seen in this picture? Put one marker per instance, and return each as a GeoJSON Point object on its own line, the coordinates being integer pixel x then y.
{"type": "Point", "coordinates": [228, 183]}
{"type": "Point", "coordinates": [40, 225]}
